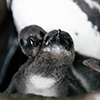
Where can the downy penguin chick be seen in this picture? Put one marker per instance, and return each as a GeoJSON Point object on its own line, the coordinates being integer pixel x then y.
{"type": "Point", "coordinates": [30, 40]}
{"type": "Point", "coordinates": [49, 74]}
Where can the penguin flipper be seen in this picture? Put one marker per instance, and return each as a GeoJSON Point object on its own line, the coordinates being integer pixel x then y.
{"type": "Point", "coordinates": [11, 88]}
{"type": "Point", "coordinates": [92, 63]}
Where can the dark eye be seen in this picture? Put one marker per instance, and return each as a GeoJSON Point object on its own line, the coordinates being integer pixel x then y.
{"type": "Point", "coordinates": [23, 42]}
{"type": "Point", "coordinates": [55, 37]}
{"type": "Point", "coordinates": [68, 43]}
{"type": "Point", "coordinates": [42, 34]}
{"type": "Point", "coordinates": [32, 41]}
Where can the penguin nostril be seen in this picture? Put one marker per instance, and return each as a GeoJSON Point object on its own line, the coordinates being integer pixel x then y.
{"type": "Point", "coordinates": [23, 42]}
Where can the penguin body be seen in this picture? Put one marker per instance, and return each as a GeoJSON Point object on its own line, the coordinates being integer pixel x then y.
{"type": "Point", "coordinates": [49, 74]}
{"type": "Point", "coordinates": [88, 78]}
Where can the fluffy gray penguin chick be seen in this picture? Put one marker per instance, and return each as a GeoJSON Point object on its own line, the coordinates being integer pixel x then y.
{"type": "Point", "coordinates": [30, 40]}
{"type": "Point", "coordinates": [49, 74]}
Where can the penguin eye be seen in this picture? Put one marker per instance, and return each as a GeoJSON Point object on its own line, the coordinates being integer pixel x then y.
{"type": "Point", "coordinates": [68, 43]}
{"type": "Point", "coordinates": [42, 34]}
{"type": "Point", "coordinates": [23, 42]}
{"type": "Point", "coordinates": [32, 41]}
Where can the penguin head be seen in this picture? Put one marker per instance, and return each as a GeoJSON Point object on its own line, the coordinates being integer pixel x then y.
{"type": "Point", "coordinates": [59, 43]}
{"type": "Point", "coordinates": [30, 40]}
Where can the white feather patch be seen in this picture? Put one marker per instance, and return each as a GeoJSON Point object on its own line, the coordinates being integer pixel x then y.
{"type": "Point", "coordinates": [41, 86]}
{"type": "Point", "coordinates": [57, 50]}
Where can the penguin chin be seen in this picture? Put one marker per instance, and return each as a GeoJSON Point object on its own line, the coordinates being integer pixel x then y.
{"type": "Point", "coordinates": [58, 50]}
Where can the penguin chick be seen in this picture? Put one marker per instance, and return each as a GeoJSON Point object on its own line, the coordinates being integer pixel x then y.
{"type": "Point", "coordinates": [30, 40]}
{"type": "Point", "coordinates": [49, 74]}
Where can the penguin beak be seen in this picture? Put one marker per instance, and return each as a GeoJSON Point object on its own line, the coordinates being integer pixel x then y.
{"type": "Point", "coordinates": [58, 34]}
{"type": "Point", "coordinates": [54, 38]}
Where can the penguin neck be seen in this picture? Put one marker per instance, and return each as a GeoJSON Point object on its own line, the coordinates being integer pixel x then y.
{"type": "Point", "coordinates": [52, 63]}
{"type": "Point", "coordinates": [52, 66]}
{"type": "Point", "coordinates": [55, 59]}
{"type": "Point", "coordinates": [57, 55]}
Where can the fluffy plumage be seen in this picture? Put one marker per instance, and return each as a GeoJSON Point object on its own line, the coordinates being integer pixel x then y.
{"type": "Point", "coordinates": [30, 39]}
{"type": "Point", "coordinates": [49, 74]}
